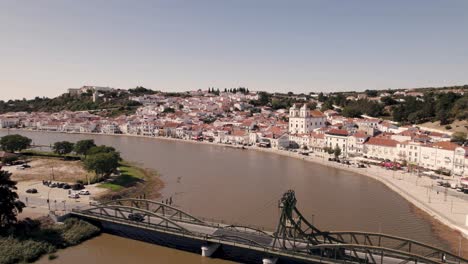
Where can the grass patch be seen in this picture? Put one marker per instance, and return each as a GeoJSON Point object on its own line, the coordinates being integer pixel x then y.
{"type": "Point", "coordinates": [49, 154]}
{"type": "Point", "coordinates": [129, 176]}
{"type": "Point", "coordinates": [31, 239]}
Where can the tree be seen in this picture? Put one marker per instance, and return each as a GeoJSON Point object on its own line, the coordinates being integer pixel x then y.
{"type": "Point", "coordinates": [102, 149]}
{"type": "Point", "coordinates": [371, 93]}
{"type": "Point", "coordinates": [321, 97]}
{"type": "Point", "coordinates": [460, 108]}
{"type": "Point", "coordinates": [388, 100]}
{"type": "Point", "coordinates": [103, 164]}
{"type": "Point", "coordinates": [169, 110]}
{"type": "Point", "coordinates": [263, 98]}
{"type": "Point", "coordinates": [83, 146]}
{"type": "Point", "coordinates": [337, 152]}
{"type": "Point", "coordinates": [459, 137]}
{"type": "Point", "coordinates": [312, 105]}
{"type": "Point", "coordinates": [9, 159]}
{"type": "Point", "coordinates": [328, 104]}
{"type": "Point", "coordinates": [328, 150]}
{"type": "Point", "coordinates": [12, 143]}
{"type": "Point", "coordinates": [10, 205]}
{"type": "Point", "coordinates": [351, 111]}
{"type": "Point", "coordinates": [63, 147]}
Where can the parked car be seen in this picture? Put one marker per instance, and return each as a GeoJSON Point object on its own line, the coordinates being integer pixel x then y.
{"type": "Point", "coordinates": [84, 192]}
{"type": "Point", "coordinates": [53, 185]}
{"type": "Point", "coordinates": [136, 217]}
{"type": "Point", "coordinates": [66, 186]}
{"type": "Point", "coordinates": [23, 166]}
{"type": "Point", "coordinates": [77, 187]}
{"type": "Point", "coordinates": [31, 190]}
{"type": "Point", "coordinates": [74, 196]}
{"type": "Point", "coordinates": [60, 184]}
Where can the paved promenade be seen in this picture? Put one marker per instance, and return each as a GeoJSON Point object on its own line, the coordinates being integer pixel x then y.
{"type": "Point", "coordinates": [444, 204]}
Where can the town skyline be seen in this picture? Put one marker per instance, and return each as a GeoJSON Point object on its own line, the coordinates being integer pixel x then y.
{"type": "Point", "coordinates": [304, 46]}
{"type": "Point", "coordinates": [324, 91]}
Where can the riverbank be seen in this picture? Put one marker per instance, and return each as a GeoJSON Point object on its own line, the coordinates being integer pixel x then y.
{"type": "Point", "coordinates": [441, 210]}
{"type": "Point", "coordinates": [175, 155]}
{"type": "Point", "coordinates": [132, 181]}
{"type": "Point", "coordinates": [419, 191]}
{"type": "Point", "coordinates": [31, 239]}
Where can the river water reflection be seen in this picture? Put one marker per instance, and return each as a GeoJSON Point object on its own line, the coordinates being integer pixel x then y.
{"type": "Point", "coordinates": [243, 186]}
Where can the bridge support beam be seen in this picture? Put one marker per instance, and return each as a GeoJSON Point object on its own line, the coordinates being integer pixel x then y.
{"type": "Point", "coordinates": [269, 260]}
{"type": "Point", "coordinates": [209, 250]}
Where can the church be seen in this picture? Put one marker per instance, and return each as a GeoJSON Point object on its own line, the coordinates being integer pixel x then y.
{"type": "Point", "coordinates": [303, 120]}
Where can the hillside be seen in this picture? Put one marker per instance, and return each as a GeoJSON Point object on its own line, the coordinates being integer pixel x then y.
{"type": "Point", "coordinates": [111, 103]}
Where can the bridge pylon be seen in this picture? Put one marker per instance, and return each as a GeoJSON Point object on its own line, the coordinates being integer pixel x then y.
{"type": "Point", "coordinates": [295, 233]}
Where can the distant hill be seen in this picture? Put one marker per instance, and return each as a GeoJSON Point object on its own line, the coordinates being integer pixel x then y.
{"type": "Point", "coordinates": [115, 102]}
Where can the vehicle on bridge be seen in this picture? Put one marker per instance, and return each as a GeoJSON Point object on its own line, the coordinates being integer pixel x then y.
{"type": "Point", "coordinates": [295, 239]}
{"type": "Point", "coordinates": [136, 217]}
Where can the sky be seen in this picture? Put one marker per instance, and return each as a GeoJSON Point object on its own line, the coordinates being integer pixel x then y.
{"type": "Point", "coordinates": [306, 46]}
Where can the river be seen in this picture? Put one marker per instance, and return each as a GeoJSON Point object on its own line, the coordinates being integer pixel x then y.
{"type": "Point", "coordinates": [243, 186]}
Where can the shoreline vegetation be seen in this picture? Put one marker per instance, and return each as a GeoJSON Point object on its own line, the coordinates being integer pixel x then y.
{"type": "Point", "coordinates": [30, 239]}
{"type": "Point", "coordinates": [133, 181]}
{"type": "Point", "coordinates": [443, 226]}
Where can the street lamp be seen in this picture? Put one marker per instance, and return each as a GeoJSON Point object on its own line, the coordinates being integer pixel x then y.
{"type": "Point", "coordinates": [48, 197]}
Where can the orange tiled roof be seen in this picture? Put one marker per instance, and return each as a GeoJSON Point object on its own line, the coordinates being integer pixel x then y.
{"type": "Point", "coordinates": [445, 145]}
{"type": "Point", "coordinates": [382, 142]}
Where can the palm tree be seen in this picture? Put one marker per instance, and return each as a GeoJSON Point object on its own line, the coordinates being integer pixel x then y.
{"type": "Point", "coordinates": [10, 205]}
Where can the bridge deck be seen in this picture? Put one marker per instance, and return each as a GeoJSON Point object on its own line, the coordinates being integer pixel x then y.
{"type": "Point", "coordinates": [355, 247]}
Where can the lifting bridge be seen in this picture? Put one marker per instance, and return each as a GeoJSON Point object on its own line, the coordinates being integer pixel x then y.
{"type": "Point", "coordinates": [295, 240]}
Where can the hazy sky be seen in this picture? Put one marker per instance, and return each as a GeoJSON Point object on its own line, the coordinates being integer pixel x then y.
{"type": "Point", "coordinates": [314, 45]}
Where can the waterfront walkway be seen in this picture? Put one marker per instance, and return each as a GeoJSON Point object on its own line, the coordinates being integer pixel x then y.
{"type": "Point", "coordinates": [444, 204]}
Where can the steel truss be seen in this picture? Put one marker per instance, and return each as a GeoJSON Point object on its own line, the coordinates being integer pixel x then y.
{"type": "Point", "coordinates": [156, 214]}
{"type": "Point", "coordinates": [295, 233]}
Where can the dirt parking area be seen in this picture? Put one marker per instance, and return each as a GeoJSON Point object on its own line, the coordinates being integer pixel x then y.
{"type": "Point", "coordinates": [57, 196]}
{"type": "Point", "coordinates": [50, 169]}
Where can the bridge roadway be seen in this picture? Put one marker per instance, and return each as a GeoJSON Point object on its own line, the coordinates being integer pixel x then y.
{"type": "Point", "coordinates": [214, 235]}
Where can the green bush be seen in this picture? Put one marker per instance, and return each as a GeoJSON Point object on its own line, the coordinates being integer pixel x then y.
{"type": "Point", "coordinates": [76, 231]}
{"type": "Point", "coordinates": [13, 250]}
{"type": "Point", "coordinates": [29, 246]}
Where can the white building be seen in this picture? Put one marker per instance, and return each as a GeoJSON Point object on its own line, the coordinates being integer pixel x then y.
{"type": "Point", "coordinates": [337, 138]}
{"type": "Point", "coordinates": [304, 121]}
{"type": "Point", "coordinates": [381, 148]}
{"type": "Point", "coordinates": [356, 143]}
{"type": "Point", "coordinates": [8, 122]}
{"type": "Point", "coordinates": [438, 156]}
{"type": "Point", "coordinates": [460, 167]}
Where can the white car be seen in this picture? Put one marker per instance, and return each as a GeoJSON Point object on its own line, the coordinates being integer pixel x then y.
{"type": "Point", "coordinates": [74, 196]}
{"type": "Point", "coordinates": [84, 192]}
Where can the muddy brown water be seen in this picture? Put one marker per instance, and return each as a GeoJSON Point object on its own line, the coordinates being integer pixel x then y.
{"type": "Point", "coordinates": [243, 187]}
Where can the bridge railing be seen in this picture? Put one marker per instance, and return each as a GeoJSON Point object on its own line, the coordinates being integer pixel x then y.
{"type": "Point", "coordinates": [323, 252]}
